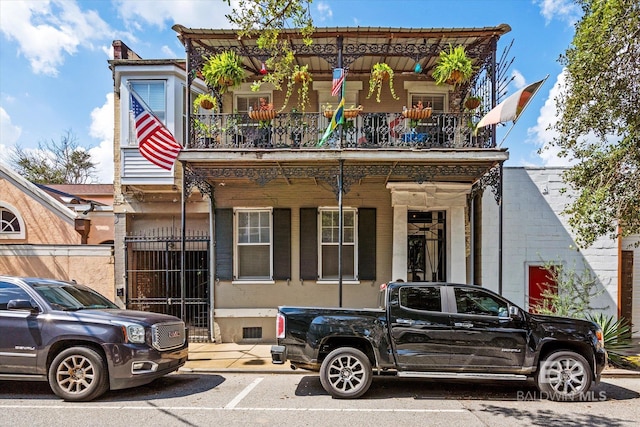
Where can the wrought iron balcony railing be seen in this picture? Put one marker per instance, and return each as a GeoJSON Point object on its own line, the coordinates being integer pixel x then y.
{"type": "Point", "coordinates": [365, 131]}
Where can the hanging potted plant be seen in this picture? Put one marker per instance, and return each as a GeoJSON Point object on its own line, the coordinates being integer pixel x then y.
{"type": "Point", "coordinates": [472, 102]}
{"type": "Point", "coordinates": [453, 67]}
{"type": "Point", "coordinates": [205, 101]}
{"type": "Point", "coordinates": [302, 77]}
{"type": "Point", "coordinates": [223, 71]}
{"type": "Point", "coordinates": [380, 73]}
{"type": "Point", "coordinates": [417, 112]}
{"type": "Point", "coordinates": [263, 112]}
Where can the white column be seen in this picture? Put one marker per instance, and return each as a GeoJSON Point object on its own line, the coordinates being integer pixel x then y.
{"type": "Point", "coordinates": [457, 255]}
{"type": "Point", "coordinates": [399, 256]}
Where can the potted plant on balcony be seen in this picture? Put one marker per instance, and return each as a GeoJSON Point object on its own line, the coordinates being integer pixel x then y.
{"type": "Point", "coordinates": [453, 66]}
{"type": "Point", "coordinates": [417, 112]}
{"type": "Point", "coordinates": [349, 113]}
{"type": "Point", "coordinates": [301, 77]}
{"type": "Point", "coordinates": [223, 71]}
{"type": "Point", "coordinates": [380, 73]}
{"type": "Point", "coordinates": [263, 111]}
{"type": "Point", "coordinates": [472, 102]}
{"type": "Point", "coordinates": [205, 101]}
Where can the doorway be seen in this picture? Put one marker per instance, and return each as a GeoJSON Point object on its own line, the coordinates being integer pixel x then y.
{"type": "Point", "coordinates": [426, 252]}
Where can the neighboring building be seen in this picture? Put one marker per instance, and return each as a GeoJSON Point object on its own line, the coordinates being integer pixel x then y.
{"type": "Point", "coordinates": [535, 232]}
{"type": "Point", "coordinates": [40, 236]}
{"type": "Point", "coordinates": [256, 203]}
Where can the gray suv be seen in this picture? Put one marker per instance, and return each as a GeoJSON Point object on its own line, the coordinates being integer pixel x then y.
{"type": "Point", "coordinates": [80, 342]}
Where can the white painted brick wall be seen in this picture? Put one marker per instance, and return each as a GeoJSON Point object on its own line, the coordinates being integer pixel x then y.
{"type": "Point", "coordinates": [535, 231]}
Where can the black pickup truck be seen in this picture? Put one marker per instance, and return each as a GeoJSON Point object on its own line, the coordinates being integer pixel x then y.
{"type": "Point", "coordinates": [440, 330]}
{"type": "Point", "coordinates": [80, 342]}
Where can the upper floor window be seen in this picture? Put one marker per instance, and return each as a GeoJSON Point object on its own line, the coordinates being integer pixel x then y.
{"type": "Point", "coordinates": [253, 244]}
{"type": "Point", "coordinates": [436, 101]}
{"type": "Point", "coordinates": [11, 225]}
{"type": "Point", "coordinates": [245, 102]}
{"type": "Point", "coordinates": [329, 243]}
{"type": "Point", "coordinates": [153, 93]}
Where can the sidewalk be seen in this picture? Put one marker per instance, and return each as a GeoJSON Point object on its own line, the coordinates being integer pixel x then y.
{"type": "Point", "coordinates": [231, 357]}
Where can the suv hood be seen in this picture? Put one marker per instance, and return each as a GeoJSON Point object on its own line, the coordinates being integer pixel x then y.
{"type": "Point", "coordinates": [108, 315]}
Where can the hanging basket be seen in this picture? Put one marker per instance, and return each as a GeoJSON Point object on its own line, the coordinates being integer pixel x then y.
{"type": "Point", "coordinates": [206, 104]}
{"type": "Point", "coordinates": [262, 114]}
{"type": "Point", "coordinates": [352, 113]}
{"type": "Point", "coordinates": [416, 114]}
{"type": "Point", "coordinates": [471, 103]}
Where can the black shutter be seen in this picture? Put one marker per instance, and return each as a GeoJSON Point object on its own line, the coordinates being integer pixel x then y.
{"type": "Point", "coordinates": [367, 244]}
{"type": "Point", "coordinates": [281, 244]}
{"type": "Point", "coordinates": [308, 243]}
{"type": "Point", "coordinates": [224, 243]}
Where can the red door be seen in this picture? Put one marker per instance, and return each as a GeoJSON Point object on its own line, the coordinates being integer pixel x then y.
{"type": "Point", "coordinates": [540, 279]}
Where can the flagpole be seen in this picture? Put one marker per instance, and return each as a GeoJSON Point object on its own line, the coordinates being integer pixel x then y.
{"type": "Point", "coordinates": [523, 110]}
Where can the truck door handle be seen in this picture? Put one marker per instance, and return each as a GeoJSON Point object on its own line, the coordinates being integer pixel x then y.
{"type": "Point", "coordinates": [404, 321]}
{"type": "Point", "coordinates": [463, 325]}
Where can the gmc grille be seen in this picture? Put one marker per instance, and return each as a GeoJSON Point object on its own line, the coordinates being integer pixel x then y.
{"type": "Point", "coordinates": [167, 336]}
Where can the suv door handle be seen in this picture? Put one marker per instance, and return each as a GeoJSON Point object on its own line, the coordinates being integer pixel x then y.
{"type": "Point", "coordinates": [404, 321]}
{"type": "Point", "coordinates": [463, 325]}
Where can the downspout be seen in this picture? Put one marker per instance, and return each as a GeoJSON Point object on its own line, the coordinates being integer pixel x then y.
{"type": "Point", "coordinates": [341, 231]}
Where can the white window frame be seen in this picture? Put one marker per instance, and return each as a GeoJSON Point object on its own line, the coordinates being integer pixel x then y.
{"type": "Point", "coordinates": [428, 89]}
{"type": "Point", "coordinates": [13, 235]}
{"type": "Point", "coordinates": [354, 244]}
{"type": "Point", "coordinates": [237, 245]}
{"type": "Point", "coordinates": [132, 128]}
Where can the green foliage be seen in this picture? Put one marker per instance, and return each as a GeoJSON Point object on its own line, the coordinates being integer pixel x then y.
{"type": "Point", "coordinates": [599, 124]}
{"type": "Point", "coordinates": [301, 77]}
{"type": "Point", "coordinates": [204, 98]}
{"type": "Point", "coordinates": [223, 71]}
{"type": "Point", "coordinates": [450, 62]}
{"type": "Point", "coordinates": [53, 162]}
{"type": "Point", "coordinates": [575, 290]}
{"type": "Point", "coordinates": [379, 73]}
{"type": "Point", "coordinates": [265, 20]}
{"type": "Point", "coordinates": [616, 334]}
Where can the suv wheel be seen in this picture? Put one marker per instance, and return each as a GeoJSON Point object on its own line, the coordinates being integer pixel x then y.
{"type": "Point", "coordinates": [346, 373]}
{"type": "Point", "coordinates": [564, 375]}
{"type": "Point", "coordinates": [78, 374]}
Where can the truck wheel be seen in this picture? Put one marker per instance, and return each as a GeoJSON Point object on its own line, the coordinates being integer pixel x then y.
{"type": "Point", "coordinates": [346, 373]}
{"type": "Point", "coordinates": [564, 375]}
{"type": "Point", "coordinates": [78, 374]}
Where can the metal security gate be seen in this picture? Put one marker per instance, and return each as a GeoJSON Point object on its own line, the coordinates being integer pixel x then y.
{"type": "Point", "coordinates": [153, 272]}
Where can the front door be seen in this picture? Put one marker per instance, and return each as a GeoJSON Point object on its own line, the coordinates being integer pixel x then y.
{"type": "Point", "coordinates": [420, 328]}
{"type": "Point", "coordinates": [483, 334]}
{"type": "Point", "coordinates": [426, 260]}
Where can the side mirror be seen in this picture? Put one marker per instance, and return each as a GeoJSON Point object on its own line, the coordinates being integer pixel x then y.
{"type": "Point", "coordinates": [514, 311]}
{"type": "Point", "coordinates": [22, 304]}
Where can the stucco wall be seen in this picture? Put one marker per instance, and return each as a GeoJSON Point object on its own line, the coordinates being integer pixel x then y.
{"type": "Point", "coordinates": [535, 231]}
{"type": "Point", "coordinates": [90, 265]}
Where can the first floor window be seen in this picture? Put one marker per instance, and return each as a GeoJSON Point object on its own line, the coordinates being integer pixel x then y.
{"type": "Point", "coordinates": [253, 244]}
{"type": "Point", "coordinates": [329, 243]}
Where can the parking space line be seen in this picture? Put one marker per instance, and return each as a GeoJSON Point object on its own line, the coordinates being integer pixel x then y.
{"type": "Point", "coordinates": [243, 394]}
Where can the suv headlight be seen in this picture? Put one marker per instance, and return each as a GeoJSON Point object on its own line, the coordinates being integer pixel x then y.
{"type": "Point", "coordinates": [132, 332]}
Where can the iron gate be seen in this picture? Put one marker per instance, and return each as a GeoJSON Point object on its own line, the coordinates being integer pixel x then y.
{"type": "Point", "coordinates": [153, 261]}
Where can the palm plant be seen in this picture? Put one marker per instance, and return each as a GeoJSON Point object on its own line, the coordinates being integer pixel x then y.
{"type": "Point", "coordinates": [616, 335]}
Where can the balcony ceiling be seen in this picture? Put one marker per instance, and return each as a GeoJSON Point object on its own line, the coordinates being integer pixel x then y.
{"type": "Point", "coordinates": [401, 48]}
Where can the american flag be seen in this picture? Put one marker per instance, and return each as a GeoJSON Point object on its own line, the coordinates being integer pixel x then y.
{"type": "Point", "coordinates": [155, 142]}
{"type": "Point", "coordinates": [338, 79]}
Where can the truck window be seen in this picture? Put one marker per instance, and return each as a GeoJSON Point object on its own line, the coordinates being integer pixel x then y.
{"type": "Point", "coordinates": [477, 301]}
{"type": "Point", "coordinates": [421, 298]}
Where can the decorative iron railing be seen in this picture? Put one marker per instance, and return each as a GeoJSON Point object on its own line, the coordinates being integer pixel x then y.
{"type": "Point", "coordinates": [365, 131]}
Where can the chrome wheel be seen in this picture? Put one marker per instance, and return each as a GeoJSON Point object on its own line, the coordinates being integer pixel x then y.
{"type": "Point", "coordinates": [564, 375]}
{"type": "Point", "coordinates": [346, 373]}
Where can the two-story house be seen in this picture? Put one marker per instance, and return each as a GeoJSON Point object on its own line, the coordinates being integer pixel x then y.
{"type": "Point", "coordinates": [258, 213]}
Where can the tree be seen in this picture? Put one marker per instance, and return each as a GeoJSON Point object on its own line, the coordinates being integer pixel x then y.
{"type": "Point", "coordinates": [599, 123]}
{"type": "Point", "coordinates": [265, 20]}
{"type": "Point", "coordinates": [53, 162]}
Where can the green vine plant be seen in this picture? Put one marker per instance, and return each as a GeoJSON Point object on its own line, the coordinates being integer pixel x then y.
{"type": "Point", "coordinates": [300, 77]}
{"type": "Point", "coordinates": [379, 74]}
{"type": "Point", "coordinates": [264, 21]}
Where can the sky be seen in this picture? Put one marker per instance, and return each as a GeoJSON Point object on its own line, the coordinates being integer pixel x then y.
{"type": "Point", "coordinates": [55, 79]}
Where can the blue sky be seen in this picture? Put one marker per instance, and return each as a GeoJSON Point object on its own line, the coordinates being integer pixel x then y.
{"type": "Point", "coordinates": [54, 75]}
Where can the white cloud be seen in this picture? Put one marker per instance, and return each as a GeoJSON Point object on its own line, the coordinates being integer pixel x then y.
{"type": "Point", "coordinates": [102, 128]}
{"type": "Point", "coordinates": [46, 30]}
{"type": "Point", "coordinates": [190, 13]}
{"type": "Point", "coordinates": [542, 134]}
{"type": "Point", "coordinates": [167, 52]}
{"type": "Point", "coordinates": [563, 10]}
{"type": "Point", "coordinates": [9, 133]}
{"type": "Point", "coordinates": [518, 79]}
{"type": "Point", "coordinates": [324, 11]}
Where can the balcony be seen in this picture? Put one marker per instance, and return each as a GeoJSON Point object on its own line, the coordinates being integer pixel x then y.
{"type": "Point", "coordinates": [364, 131]}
